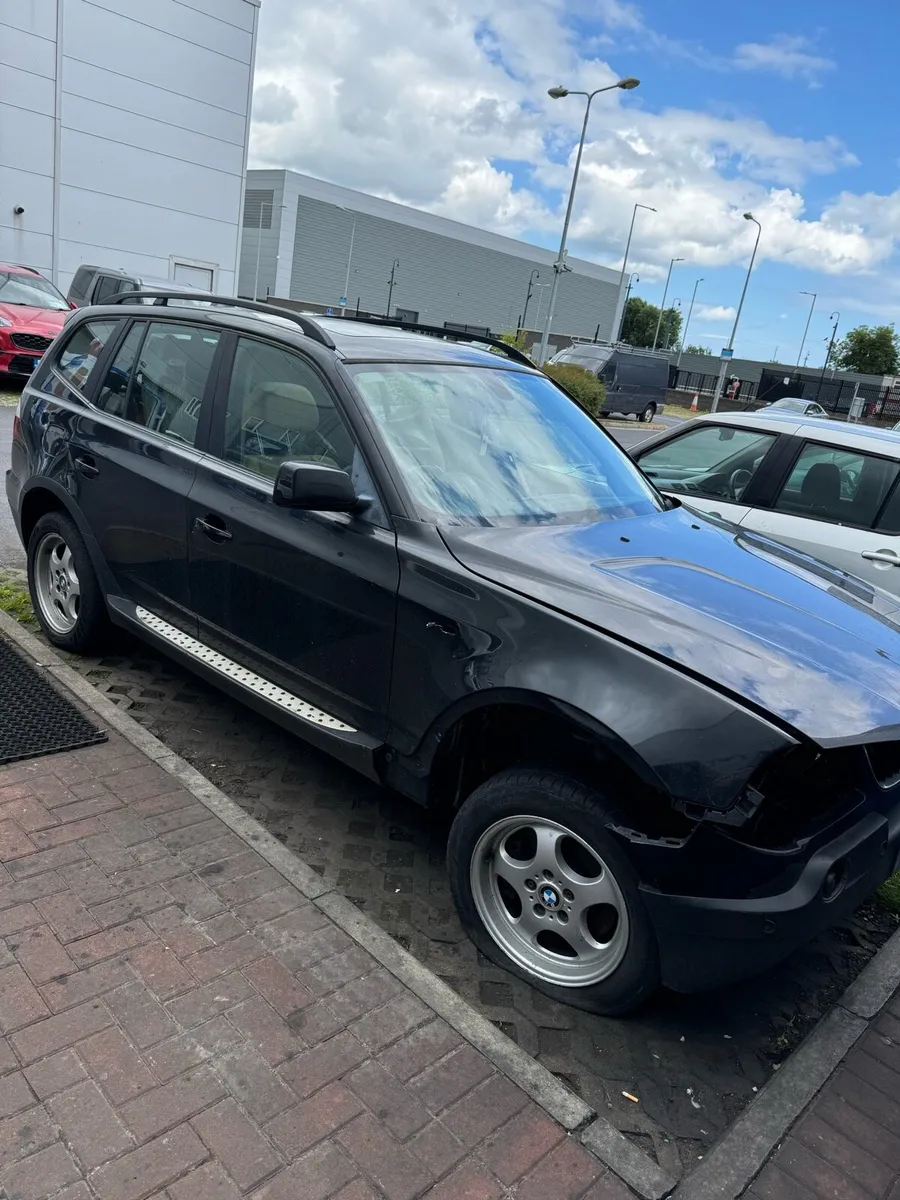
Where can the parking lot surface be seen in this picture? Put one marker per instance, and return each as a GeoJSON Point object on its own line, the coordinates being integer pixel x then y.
{"type": "Point", "coordinates": [692, 1063]}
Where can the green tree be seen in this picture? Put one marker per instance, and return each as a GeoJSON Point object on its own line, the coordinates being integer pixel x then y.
{"type": "Point", "coordinates": [639, 326]}
{"type": "Point", "coordinates": [690, 348]}
{"type": "Point", "coordinates": [870, 350]}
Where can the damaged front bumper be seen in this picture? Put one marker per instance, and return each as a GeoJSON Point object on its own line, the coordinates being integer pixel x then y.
{"type": "Point", "coordinates": [760, 892]}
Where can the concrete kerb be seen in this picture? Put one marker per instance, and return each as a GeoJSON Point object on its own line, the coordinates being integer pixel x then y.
{"type": "Point", "coordinates": [630, 1163]}
{"type": "Point", "coordinates": [743, 1150]}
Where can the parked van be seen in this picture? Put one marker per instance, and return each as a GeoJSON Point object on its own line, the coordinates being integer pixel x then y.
{"type": "Point", "coordinates": [98, 285]}
{"type": "Point", "coordinates": [636, 380]}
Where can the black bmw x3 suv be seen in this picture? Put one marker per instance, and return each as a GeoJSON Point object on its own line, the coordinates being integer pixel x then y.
{"type": "Point", "coordinates": [672, 748]}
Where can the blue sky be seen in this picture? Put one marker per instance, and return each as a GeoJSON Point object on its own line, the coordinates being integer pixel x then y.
{"type": "Point", "coordinates": [785, 109]}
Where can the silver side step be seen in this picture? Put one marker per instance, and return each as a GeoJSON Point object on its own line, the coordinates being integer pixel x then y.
{"type": "Point", "coordinates": [236, 673]}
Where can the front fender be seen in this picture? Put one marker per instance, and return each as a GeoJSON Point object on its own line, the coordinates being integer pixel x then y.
{"type": "Point", "coordinates": [464, 641]}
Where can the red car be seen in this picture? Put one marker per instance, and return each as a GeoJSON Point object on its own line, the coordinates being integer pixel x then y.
{"type": "Point", "coordinates": [32, 313]}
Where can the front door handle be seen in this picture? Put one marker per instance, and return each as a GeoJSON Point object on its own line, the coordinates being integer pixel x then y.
{"type": "Point", "coordinates": [883, 556]}
{"type": "Point", "coordinates": [213, 527]}
{"type": "Point", "coordinates": [86, 465]}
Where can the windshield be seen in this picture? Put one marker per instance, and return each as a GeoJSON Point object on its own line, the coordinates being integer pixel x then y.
{"type": "Point", "coordinates": [485, 446]}
{"type": "Point", "coordinates": [790, 405]}
{"type": "Point", "coordinates": [31, 290]}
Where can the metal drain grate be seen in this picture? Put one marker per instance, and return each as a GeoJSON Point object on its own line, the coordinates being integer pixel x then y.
{"type": "Point", "coordinates": [34, 718]}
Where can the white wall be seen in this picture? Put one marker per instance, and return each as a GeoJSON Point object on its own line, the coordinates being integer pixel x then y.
{"type": "Point", "coordinates": [123, 133]}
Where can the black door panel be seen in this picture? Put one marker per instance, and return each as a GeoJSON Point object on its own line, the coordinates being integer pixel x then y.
{"type": "Point", "coordinates": [305, 599]}
{"type": "Point", "coordinates": [134, 460]}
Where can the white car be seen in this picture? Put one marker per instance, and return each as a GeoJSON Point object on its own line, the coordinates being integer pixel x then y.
{"type": "Point", "coordinates": [796, 404]}
{"type": "Point", "coordinates": [829, 489]}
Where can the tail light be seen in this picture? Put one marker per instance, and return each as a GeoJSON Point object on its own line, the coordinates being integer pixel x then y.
{"type": "Point", "coordinates": [17, 427]}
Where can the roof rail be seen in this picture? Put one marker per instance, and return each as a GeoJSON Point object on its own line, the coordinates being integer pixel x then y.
{"type": "Point", "coordinates": [311, 328]}
{"type": "Point", "coordinates": [454, 335]}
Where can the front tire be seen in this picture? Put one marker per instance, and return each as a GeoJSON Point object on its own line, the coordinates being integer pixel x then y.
{"type": "Point", "coordinates": [648, 414]}
{"type": "Point", "coordinates": [65, 592]}
{"type": "Point", "coordinates": [544, 891]}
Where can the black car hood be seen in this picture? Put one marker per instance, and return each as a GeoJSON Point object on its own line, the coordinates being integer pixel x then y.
{"type": "Point", "coordinates": [815, 648]}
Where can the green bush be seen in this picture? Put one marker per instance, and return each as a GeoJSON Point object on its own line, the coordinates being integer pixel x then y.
{"type": "Point", "coordinates": [583, 385]}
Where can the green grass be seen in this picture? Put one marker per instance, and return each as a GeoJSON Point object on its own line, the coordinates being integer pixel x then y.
{"type": "Point", "coordinates": [14, 598]}
{"type": "Point", "coordinates": [8, 399]}
{"type": "Point", "coordinates": [889, 894]}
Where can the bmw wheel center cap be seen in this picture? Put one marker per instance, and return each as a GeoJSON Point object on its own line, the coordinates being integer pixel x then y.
{"type": "Point", "coordinates": [549, 896]}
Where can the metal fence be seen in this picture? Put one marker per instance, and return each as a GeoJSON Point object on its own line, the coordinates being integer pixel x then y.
{"type": "Point", "coordinates": [834, 392]}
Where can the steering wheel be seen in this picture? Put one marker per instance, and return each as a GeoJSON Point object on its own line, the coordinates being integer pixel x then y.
{"type": "Point", "coordinates": [738, 483]}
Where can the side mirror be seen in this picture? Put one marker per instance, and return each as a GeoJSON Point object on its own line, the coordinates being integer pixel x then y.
{"type": "Point", "coordinates": [315, 487]}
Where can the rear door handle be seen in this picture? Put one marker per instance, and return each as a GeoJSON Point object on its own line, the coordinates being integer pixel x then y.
{"type": "Point", "coordinates": [213, 527]}
{"type": "Point", "coordinates": [884, 556]}
{"type": "Point", "coordinates": [86, 465]}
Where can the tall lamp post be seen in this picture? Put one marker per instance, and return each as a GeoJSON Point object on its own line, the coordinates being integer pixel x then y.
{"type": "Point", "coordinates": [557, 93]}
{"type": "Point", "coordinates": [393, 279]}
{"type": "Point", "coordinates": [662, 307]}
{"type": "Point", "coordinates": [836, 317]}
{"type": "Point", "coordinates": [633, 278]}
{"type": "Point", "coordinates": [535, 274]}
{"type": "Point", "coordinates": [625, 264]}
{"type": "Point", "coordinates": [808, 319]}
{"type": "Point", "coordinates": [687, 324]}
{"type": "Point", "coordinates": [748, 216]}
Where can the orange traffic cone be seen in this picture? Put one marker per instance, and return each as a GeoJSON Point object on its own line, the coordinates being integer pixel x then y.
{"type": "Point", "coordinates": [694, 402]}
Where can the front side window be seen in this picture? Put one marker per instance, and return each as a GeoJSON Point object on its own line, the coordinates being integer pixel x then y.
{"type": "Point", "coordinates": [718, 461]}
{"type": "Point", "coordinates": [490, 446]}
{"type": "Point", "coordinates": [30, 291]}
{"type": "Point", "coordinates": [280, 411]}
{"type": "Point", "coordinates": [78, 356]}
{"type": "Point", "coordinates": [158, 378]}
{"type": "Point", "coordinates": [843, 486]}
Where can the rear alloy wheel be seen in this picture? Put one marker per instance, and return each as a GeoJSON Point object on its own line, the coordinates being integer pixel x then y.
{"type": "Point", "coordinates": [543, 889]}
{"type": "Point", "coordinates": [64, 589]}
{"type": "Point", "coordinates": [648, 414]}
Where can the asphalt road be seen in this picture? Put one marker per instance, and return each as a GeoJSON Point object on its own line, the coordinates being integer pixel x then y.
{"type": "Point", "coordinates": [11, 552]}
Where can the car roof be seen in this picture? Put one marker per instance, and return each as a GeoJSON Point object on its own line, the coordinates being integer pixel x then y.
{"type": "Point", "coordinates": [840, 433]}
{"type": "Point", "coordinates": [357, 341]}
{"type": "Point", "coordinates": [354, 341]}
{"type": "Point", "coordinates": [19, 269]}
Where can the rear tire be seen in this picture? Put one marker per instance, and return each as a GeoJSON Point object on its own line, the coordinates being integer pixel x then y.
{"type": "Point", "coordinates": [544, 891]}
{"type": "Point", "coordinates": [648, 414]}
{"type": "Point", "coordinates": [66, 595]}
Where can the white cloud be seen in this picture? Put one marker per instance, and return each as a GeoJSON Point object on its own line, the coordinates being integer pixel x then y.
{"type": "Point", "coordinates": [785, 55]}
{"type": "Point", "coordinates": [445, 107]}
{"type": "Point", "coordinates": [715, 312]}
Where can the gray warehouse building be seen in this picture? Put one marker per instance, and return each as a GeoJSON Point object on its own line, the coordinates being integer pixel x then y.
{"type": "Point", "coordinates": [314, 242]}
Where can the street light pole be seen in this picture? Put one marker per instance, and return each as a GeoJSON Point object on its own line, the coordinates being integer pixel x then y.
{"type": "Point", "coordinates": [557, 93]}
{"type": "Point", "coordinates": [625, 264]}
{"type": "Point", "coordinates": [632, 279]}
{"type": "Point", "coordinates": [808, 319]}
{"type": "Point", "coordinates": [835, 316]}
{"type": "Point", "coordinates": [394, 267]}
{"type": "Point", "coordinates": [349, 262]}
{"type": "Point", "coordinates": [662, 307]}
{"type": "Point", "coordinates": [748, 216]}
{"type": "Point", "coordinates": [535, 274]}
{"type": "Point", "coordinates": [259, 230]}
{"type": "Point", "coordinates": [687, 324]}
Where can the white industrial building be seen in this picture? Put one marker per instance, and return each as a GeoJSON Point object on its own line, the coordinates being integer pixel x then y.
{"type": "Point", "coordinates": [316, 243]}
{"type": "Point", "coordinates": [123, 135]}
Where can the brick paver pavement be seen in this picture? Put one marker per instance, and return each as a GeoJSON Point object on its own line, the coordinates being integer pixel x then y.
{"type": "Point", "coordinates": [846, 1146]}
{"type": "Point", "coordinates": [179, 1023]}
